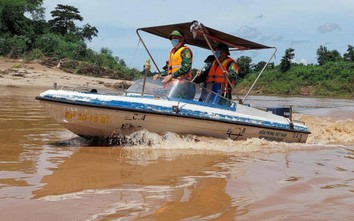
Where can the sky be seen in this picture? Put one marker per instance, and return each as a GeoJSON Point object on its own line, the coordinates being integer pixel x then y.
{"type": "Point", "coordinates": [303, 25]}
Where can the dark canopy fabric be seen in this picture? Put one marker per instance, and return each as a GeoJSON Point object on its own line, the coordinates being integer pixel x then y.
{"type": "Point", "coordinates": [214, 36]}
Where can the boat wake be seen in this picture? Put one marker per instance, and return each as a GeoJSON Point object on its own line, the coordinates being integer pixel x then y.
{"type": "Point", "coordinates": [326, 133]}
{"type": "Point", "coordinates": [327, 130]}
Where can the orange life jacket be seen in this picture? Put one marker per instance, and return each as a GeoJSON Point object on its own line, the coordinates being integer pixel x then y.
{"type": "Point", "coordinates": [215, 73]}
{"type": "Point", "coordinates": [217, 76]}
{"type": "Point", "coordinates": [175, 62]}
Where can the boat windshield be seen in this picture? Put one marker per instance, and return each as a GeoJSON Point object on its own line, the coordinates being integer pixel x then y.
{"type": "Point", "coordinates": [177, 89]}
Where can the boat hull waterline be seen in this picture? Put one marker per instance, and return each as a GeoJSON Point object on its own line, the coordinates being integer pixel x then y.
{"type": "Point", "coordinates": [104, 116]}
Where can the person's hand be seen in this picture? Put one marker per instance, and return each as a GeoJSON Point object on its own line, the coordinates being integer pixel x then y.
{"type": "Point", "coordinates": [156, 76]}
{"type": "Point", "coordinates": [167, 78]}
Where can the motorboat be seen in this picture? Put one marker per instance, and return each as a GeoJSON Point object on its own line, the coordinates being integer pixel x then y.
{"type": "Point", "coordinates": [180, 106]}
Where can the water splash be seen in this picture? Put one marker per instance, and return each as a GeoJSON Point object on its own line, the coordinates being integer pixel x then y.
{"type": "Point", "coordinates": [325, 133]}
{"type": "Point", "coordinates": [326, 130]}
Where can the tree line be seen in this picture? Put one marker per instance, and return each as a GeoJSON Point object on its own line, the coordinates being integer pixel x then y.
{"type": "Point", "coordinates": [323, 56]}
{"type": "Point", "coordinates": [25, 34]}
{"type": "Point", "coordinates": [333, 76]}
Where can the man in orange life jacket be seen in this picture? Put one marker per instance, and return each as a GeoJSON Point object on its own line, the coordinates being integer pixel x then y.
{"type": "Point", "coordinates": [217, 76]}
{"type": "Point", "coordinates": [179, 64]}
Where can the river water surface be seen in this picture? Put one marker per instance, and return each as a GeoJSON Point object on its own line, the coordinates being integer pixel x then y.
{"type": "Point", "coordinates": [48, 173]}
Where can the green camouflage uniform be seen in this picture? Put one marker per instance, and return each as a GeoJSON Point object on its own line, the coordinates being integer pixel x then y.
{"type": "Point", "coordinates": [186, 64]}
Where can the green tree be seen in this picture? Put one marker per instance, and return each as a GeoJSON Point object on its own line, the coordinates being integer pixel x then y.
{"type": "Point", "coordinates": [285, 63]}
{"type": "Point", "coordinates": [64, 17]}
{"type": "Point", "coordinates": [259, 66]}
{"type": "Point", "coordinates": [349, 56]}
{"type": "Point", "coordinates": [324, 55]}
{"type": "Point", "coordinates": [35, 8]}
{"type": "Point", "coordinates": [244, 64]}
{"type": "Point", "coordinates": [122, 63]}
{"type": "Point", "coordinates": [63, 23]}
{"type": "Point", "coordinates": [88, 32]}
{"type": "Point", "coordinates": [17, 30]}
{"type": "Point", "coordinates": [12, 17]}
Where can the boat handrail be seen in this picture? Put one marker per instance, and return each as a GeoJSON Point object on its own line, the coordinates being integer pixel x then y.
{"type": "Point", "coordinates": [75, 88]}
{"type": "Point", "coordinates": [299, 121]}
{"type": "Point", "coordinates": [148, 94]}
{"type": "Point", "coordinates": [87, 89]}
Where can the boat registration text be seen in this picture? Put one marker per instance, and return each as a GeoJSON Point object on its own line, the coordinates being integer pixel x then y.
{"type": "Point", "coordinates": [100, 119]}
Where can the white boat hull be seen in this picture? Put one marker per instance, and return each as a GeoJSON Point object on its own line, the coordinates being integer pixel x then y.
{"type": "Point", "coordinates": [90, 121]}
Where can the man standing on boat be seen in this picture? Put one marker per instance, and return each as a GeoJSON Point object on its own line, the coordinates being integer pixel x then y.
{"type": "Point", "coordinates": [179, 63]}
{"type": "Point", "coordinates": [179, 66]}
{"type": "Point", "coordinates": [220, 77]}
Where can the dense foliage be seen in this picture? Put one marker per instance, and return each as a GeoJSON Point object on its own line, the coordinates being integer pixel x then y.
{"type": "Point", "coordinates": [285, 62]}
{"type": "Point", "coordinates": [324, 55]}
{"type": "Point", "coordinates": [24, 33]}
{"type": "Point", "coordinates": [332, 79]}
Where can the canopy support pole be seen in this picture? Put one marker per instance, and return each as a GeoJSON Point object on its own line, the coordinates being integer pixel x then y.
{"type": "Point", "coordinates": [225, 72]}
{"type": "Point", "coordinates": [146, 72]}
{"type": "Point", "coordinates": [260, 73]}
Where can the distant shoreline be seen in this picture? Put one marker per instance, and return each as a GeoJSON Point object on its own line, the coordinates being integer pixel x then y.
{"type": "Point", "coordinates": [16, 73]}
{"type": "Point", "coordinates": [19, 74]}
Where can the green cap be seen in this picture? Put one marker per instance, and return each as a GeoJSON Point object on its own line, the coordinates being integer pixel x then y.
{"type": "Point", "coordinates": [176, 33]}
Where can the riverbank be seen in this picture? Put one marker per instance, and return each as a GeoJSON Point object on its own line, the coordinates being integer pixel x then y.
{"type": "Point", "coordinates": [16, 73]}
{"type": "Point", "coordinates": [333, 79]}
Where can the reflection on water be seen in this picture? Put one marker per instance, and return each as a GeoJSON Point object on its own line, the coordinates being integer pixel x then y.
{"type": "Point", "coordinates": [48, 173]}
{"type": "Point", "coordinates": [93, 168]}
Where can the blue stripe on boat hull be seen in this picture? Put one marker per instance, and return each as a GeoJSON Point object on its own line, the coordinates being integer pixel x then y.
{"type": "Point", "coordinates": [155, 109]}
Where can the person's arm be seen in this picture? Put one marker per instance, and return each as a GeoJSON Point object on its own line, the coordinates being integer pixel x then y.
{"type": "Point", "coordinates": [233, 71]}
{"type": "Point", "coordinates": [186, 63]}
{"type": "Point", "coordinates": [162, 74]}
{"type": "Point", "coordinates": [202, 77]}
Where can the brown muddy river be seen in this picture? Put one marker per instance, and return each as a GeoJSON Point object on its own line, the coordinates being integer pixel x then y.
{"type": "Point", "coordinates": [48, 173]}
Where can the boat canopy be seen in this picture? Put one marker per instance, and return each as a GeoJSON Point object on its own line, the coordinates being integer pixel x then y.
{"type": "Point", "coordinates": [195, 33]}
{"type": "Point", "coordinates": [198, 35]}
